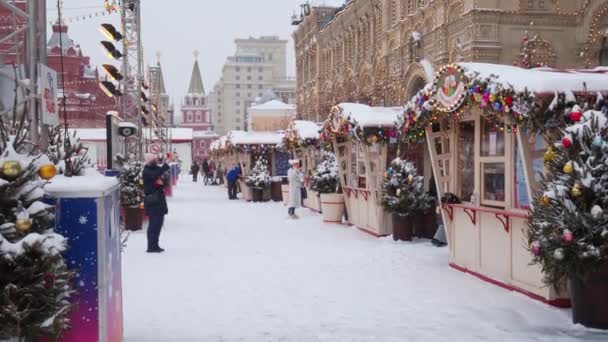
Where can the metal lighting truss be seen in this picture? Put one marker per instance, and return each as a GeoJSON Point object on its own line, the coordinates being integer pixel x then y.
{"type": "Point", "coordinates": [31, 25]}
{"type": "Point", "coordinates": [159, 116]}
{"type": "Point", "coordinates": [133, 72]}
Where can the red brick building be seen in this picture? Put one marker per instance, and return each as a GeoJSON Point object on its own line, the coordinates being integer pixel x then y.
{"type": "Point", "coordinates": [196, 115]}
{"type": "Point", "coordinates": [86, 103]}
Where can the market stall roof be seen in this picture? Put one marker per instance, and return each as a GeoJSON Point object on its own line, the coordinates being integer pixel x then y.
{"type": "Point", "coordinates": [540, 80]}
{"type": "Point", "coordinates": [255, 138]}
{"type": "Point", "coordinates": [306, 129]}
{"type": "Point", "coordinates": [365, 116]}
{"type": "Point", "coordinates": [205, 134]}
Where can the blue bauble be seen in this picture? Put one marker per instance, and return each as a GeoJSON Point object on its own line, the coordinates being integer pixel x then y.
{"type": "Point", "coordinates": [597, 143]}
{"type": "Point", "coordinates": [497, 106]}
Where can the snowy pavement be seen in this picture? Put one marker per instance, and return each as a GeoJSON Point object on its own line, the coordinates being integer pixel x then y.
{"type": "Point", "coordinates": [236, 271]}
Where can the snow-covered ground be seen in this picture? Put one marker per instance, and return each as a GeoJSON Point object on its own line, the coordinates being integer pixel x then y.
{"type": "Point", "coordinates": [236, 271]}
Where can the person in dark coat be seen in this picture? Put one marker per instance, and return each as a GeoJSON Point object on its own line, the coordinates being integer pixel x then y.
{"type": "Point", "coordinates": [232, 177]}
{"type": "Point", "coordinates": [205, 169]}
{"type": "Point", "coordinates": [194, 169]}
{"type": "Point", "coordinates": [155, 203]}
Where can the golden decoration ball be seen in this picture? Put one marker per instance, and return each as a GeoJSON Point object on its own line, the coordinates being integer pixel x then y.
{"type": "Point", "coordinates": [568, 168]}
{"type": "Point", "coordinates": [11, 169]}
{"type": "Point", "coordinates": [410, 178]}
{"type": "Point", "coordinates": [549, 155]}
{"type": "Point", "coordinates": [577, 190]}
{"type": "Point", "coordinates": [545, 201]}
{"type": "Point", "coordinates": [23, 225]}
{"type": "Point", "coordinates": [47, 172]}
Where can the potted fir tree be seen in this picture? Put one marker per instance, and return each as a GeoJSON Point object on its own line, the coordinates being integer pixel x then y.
{"type": "Point", "coordinates": [131, 195]}
{"type": "Point", "coordinates": [326, 183]}
{"type": "Point", "coordinates": [403, 195]}
{"type": "Point", "coordinates": [259, 180]}
{"type": "Point", "coordinates": [568, 227]}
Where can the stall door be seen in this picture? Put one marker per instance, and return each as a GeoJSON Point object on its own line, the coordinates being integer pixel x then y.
{"type": "Point", "coordinates": [440, 139]}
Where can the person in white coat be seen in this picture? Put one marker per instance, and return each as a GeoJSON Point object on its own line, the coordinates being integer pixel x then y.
{"type": "Point", "coordinates": [296, 182]}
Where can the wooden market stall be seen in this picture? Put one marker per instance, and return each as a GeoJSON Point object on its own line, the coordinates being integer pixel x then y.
{"type": "Point", "coordinates": [364, 140]}
{"type": "Point", "coordinates": [302, 140]}
{"type": "Point", "coordinates": [248, 146]}
{"type": "Point", "coordinates": [483, 135]}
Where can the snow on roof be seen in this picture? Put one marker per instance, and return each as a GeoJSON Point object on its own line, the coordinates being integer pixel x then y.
{"type": "Point", "coordinates": [255, 138]}
{"type": "Point", "coordinates": [274, 105]}
{"type": "Point", "coordinates": [205, 134]}
{"type": "Point", "coordinates": [366, 116]}
{"type": "Point", "coordinates": [540, 80]}
{"type": "Point", "coordinates": [99, 134]}
{"type": "Point", "coordinates": [93, 184]}
{"type": "Point", "coordinates": [306, 129]}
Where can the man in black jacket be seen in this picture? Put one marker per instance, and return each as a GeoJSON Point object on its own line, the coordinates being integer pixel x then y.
{"type": "Point", "coordinates": [194, 169]}
{"type": "Point", "coordinates": [155, 203]}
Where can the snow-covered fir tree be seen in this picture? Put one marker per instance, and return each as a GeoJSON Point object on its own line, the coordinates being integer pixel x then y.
{"type": "Point", "coordinates": [68, 153]}
{"type": "Point", "coordinates": [131, 184]}
{"type": "Point", "coordinates": [568, 229]}
{"type": "Point", "coordinates": [34, 279]}
{"type": "Point", "coordinates": [259, 177]}
{"type": "Point", "coordinates": [325, 179]}
{"type": "Point", "coordinates": [403, 189]}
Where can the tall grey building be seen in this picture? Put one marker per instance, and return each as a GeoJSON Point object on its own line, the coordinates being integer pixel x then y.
{"type": "Point", "coordinates": [259, 64]}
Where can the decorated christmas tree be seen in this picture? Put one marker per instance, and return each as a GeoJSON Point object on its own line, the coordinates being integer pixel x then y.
{"type": "Point", "coordinates": [34, 280]}
{"type": "Point", "coordinates": [131, 185]}
{"type": "Point", "coordinates": [403, 190]}
{"type": "Point", "coordinates": [259, 176]}
{"type": "Point", "coordinates": [67, 152]}
{"type": "Point", "coordinates": [568, 228]}
{"type": "Point", "coordinates": [325, 180]}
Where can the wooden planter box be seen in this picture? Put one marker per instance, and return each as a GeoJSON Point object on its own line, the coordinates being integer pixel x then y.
{"type": "Point", "coordinates": [333, 207]}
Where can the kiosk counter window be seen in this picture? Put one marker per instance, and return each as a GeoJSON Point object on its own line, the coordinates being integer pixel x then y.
{"type": "Point", "coordinates": [466, 160]}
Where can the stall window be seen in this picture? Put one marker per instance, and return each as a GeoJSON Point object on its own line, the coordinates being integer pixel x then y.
{"type": "Point", "coordinates": [375, 166]}
{"type": "Point", "coordinates": [361, 168]}
{"type": "Point", "coordinates": [492, 164]}
{"type": "Point", "coordinates": [343, 158]}
{"type": "Point", "coordinates": [466, 160]}
{"type": "Point", "coordinates": [536, 148]}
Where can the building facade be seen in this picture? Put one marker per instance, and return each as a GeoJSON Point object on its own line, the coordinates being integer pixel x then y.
{"type": "Point", "coordinates": [258, 65]}
{"type": "Point", "coordinates": [381, 52]}
{"type": "Point", "coordinates": [196, 115]}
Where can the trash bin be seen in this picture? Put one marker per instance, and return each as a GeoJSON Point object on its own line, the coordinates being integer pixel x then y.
{"type": "Point", "coordinates": [276, 191]}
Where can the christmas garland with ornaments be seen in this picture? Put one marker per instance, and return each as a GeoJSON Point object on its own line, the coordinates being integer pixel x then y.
{"type": "Point", "coordinates": [568, 226]}
{"type": "Point", "coordinates": [500, 104]}
{"type": "Point", "coordinates": [338, 128]}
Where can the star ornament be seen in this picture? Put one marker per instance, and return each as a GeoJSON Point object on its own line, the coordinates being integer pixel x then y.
{"type": "Point", "coordinates": [83, 220]}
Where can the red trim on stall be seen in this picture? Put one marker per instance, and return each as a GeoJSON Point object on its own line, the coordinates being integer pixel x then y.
{"type": "Point", "coordinates": [374, 234]}
{"type": "Point", "coordinates": [560, 302]}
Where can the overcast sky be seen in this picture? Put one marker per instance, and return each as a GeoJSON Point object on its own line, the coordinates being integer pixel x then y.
{"type": "Point", "coordinates": [178, 27]}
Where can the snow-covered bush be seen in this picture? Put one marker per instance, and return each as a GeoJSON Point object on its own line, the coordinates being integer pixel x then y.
{"type": "Point", "coordinates": [325, 180]}
{"type": "Point", "coordinates": [34, 279]}
{"type": "Point", "coordinates": [67, 152]}
{"type": "Point", "coordinates": [568, 228]}
{"type": "Point", "coordinates": [259, 176]}
{"type": "Point", "coordinates": [132, 185]}
{"type": "Point", "coordinates": [403, 190]}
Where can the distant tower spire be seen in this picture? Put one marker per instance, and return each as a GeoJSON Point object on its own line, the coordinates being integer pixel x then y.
{"type": "Point", "coordinates": [158, 56]}
{"type": "Point", "coordinates": [196, 80]}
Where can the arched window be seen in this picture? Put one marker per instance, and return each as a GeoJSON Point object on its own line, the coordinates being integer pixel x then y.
{"type": "Point", "coordinates": [604, 52]}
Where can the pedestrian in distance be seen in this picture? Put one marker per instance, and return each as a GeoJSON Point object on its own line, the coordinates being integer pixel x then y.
{"type": "Point", "coordinates": [205, 171]}
{"type": "Point", "coordinates": [155, 203]}
{"type": "Point", "coordinates": [232, 177]}
{"type": "Point", "coordinates": [194, 170]}
{"type": "Point", "coordinates": [296, 182]}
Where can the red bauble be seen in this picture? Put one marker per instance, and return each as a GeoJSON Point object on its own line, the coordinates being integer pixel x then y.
{"type": "Point", "coordinates": [568, 236]}
{"type": "Point", "coordinates": [566, 142]}
{"type": "Point", "coordinates": [576, 116]}
{"type": "Point", "coordinates": [509, 101]}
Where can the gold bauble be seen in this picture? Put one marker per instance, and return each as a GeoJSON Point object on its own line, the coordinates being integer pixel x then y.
{"type": "Point", "coordinates": [23, 225]}
{"type": "Point", "coordinates": [47, 172]}
{"type": "Point", "coordinates": [568, 168]}
{"type": "Point", "coordinates": [11, 169]}
{"type": "Point", "coordinates": [545, 201]}
{"type": "Point", "coordinates": [410, 178]}
{"type": "Point", "coordinates": [549, 155]}
{"type": "Point", "coordinates": [577, 190]}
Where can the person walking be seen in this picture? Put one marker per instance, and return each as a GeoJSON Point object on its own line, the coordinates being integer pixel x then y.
{"type": "Point", "coordinates": [205, 169]}
{"type": "Point", "coordinates": [296, 181]}
{"type": "Point", "coordinates": [194, 170]}
{"type": "Point", "coordinates": [232, 177]}
{"type": "Point", "coordinates": [155, 203]}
